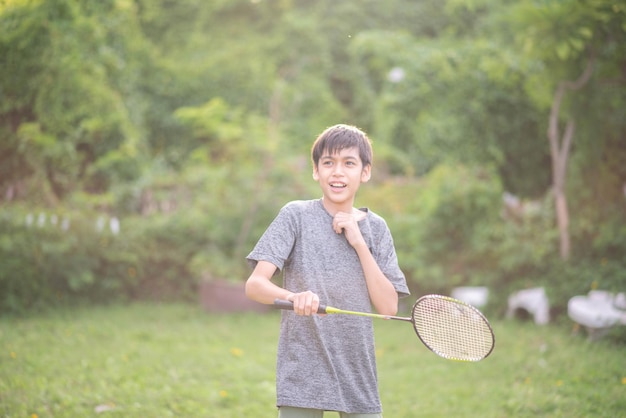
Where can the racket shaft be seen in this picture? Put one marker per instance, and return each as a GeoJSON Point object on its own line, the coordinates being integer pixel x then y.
{"type": "Point", "coordinates": [323, 309]}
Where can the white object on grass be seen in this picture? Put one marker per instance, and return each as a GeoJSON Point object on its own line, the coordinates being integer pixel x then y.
{"type": "Point", "coordinates": [474, 295]}
{"type": "Point", "coordinates": [534, 301]}
{"type": "Point", "coordinates": [598, 312]}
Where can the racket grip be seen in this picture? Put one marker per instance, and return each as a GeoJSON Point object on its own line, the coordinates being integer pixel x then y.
{"type": "Point", "coordinates": [285, 304]}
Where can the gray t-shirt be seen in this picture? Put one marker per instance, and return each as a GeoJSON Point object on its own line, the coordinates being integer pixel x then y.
{"type": "Point", "coordinates": [328, 362]}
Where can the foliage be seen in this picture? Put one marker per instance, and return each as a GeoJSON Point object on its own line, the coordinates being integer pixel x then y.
{"type": "Point", "coordinates": [458, 216]}
{"type": "Point", "coordinates": [446, 218]}
{"type": "Point", "coordinates": [452, 101]}
{"type": "Point", "coordinates": [189, 223]}
{"type": "Point", "coordinates": [191, 122]}
{"type": "Point", "coordinates": [68, 98]}
{"type": "Point", "coordinates": [52, 258]}
{"type": "Point", "coordinates": [70, 257]}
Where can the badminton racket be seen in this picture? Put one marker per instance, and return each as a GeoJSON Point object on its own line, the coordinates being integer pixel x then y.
{"type": "Point", "coordinates": [448, 327]}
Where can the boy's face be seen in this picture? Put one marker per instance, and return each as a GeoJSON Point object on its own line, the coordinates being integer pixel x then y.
{"type": "Point", "coordinates": [340, 176]}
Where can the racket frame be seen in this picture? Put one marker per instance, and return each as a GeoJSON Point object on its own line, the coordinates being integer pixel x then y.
{"type": "Point", "coordinates": [478, 315]}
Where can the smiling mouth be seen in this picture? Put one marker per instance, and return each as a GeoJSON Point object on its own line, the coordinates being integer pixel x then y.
{"type": "Point", "coordinates": [338, 185]}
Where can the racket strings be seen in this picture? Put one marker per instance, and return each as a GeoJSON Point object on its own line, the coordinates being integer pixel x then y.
{"type": "Point", "coordinates": [452, 329]}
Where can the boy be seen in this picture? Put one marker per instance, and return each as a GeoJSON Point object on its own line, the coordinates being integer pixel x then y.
{"type": "Point", "coordinates": [344, 257]}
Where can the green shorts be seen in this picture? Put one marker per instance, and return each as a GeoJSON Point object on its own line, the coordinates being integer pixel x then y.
{"type": "Point", "coordinates": [291, 412]}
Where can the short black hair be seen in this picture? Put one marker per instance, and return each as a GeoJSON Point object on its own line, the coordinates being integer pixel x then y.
{"type": "Point", "coordinates": [338, 137]}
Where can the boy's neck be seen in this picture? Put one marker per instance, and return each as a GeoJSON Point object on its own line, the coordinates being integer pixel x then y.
{"type": "Point", "coordinates": [333, 209]}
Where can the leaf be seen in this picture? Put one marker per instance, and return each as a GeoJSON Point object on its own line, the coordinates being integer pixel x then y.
{"type": "Point", "coordinates": [577, 44]}
{"type": "Point", "coordinates": [563, 51]}
{"type": "Point", "coordinates": [585, 32]}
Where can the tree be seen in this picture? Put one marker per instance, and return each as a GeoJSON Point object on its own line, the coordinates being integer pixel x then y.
{"type": "Point", "coordinates": [559, 149]}
{"type": "Point", "coordinates": [565, 37]}
{"type": "Point", "coordinates": [68, 119]}
{"type": "Point", "coordinates": [453, 101]}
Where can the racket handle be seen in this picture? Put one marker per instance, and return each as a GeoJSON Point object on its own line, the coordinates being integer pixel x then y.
{"type": "Point", "coordinates": [285, 304]}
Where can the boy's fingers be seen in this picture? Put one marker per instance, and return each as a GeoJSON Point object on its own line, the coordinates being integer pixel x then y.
{"type": "Point", "coordinates": [312, 304]}
{"type": "Point", "coordinates": [306, 303]}
{"type": "Point", "coordinates": [315, 304]}
{"type": "Point", "coordinates": [343, 220]}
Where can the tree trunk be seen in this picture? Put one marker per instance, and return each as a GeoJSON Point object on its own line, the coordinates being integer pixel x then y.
{"type": "Point", "coordinates": [560, 155]}
{"type": "Point", "coordinates": [559, 150]}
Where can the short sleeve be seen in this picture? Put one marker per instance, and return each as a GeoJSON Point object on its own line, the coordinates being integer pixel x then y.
{"type": "Point", "coordinates": [277, 241]}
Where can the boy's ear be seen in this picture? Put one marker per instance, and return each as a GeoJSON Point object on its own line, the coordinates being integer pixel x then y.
{"type": "Point", "coordinates": [366, 173]}
{"type": "Point", "coordinates": [316, 175]}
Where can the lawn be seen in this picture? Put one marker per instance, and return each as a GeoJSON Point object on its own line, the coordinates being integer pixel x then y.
{"type": "Point", "coordinates": [178, 361]}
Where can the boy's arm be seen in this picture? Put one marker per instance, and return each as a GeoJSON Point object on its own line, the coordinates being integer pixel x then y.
{"type": "Point", "coordinates": [260, 288]}
{"type": "Point", "coordinates": [381, 291]}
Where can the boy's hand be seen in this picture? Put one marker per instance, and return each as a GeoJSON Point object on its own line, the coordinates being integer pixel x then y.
{"type": "Point", "coordinates": [305, 303]}
{"type": "Point", "coordinates": [348, 224]}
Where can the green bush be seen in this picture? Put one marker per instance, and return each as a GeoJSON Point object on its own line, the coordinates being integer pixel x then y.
{"type": "Point", "coordinates": [47, 257]}
{"type": "Point", "coordinates": [451, 229]}
{"type": "Point", "coordinates": [439, 222]}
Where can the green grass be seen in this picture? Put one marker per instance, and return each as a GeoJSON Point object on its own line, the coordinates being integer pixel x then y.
{"type": "Point", "coordinates": [178, 361]}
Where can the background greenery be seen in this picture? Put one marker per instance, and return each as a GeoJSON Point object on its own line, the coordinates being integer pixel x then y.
{"type": "Point", "coordinates": [190, 123]}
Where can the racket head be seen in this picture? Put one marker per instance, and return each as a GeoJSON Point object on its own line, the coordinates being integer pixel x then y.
{"type": "Point", "coordinates": [452, 329]}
